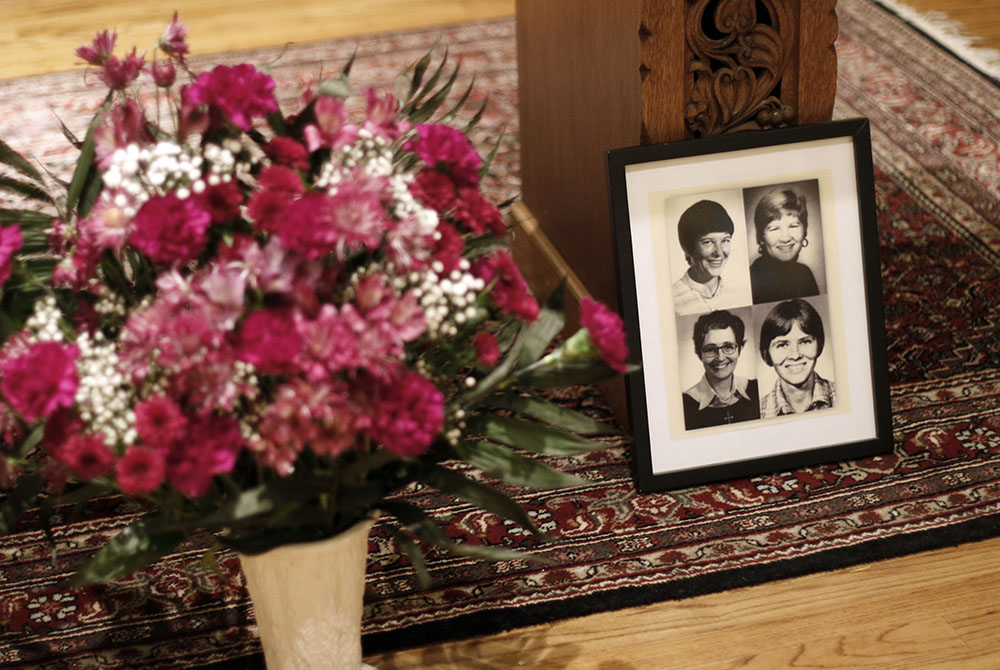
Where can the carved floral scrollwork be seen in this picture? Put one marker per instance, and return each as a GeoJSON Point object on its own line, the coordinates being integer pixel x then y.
{"type": "Point", "coordinates": [741, 49]}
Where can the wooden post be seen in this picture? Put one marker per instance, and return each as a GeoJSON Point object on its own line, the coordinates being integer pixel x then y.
{"type": "Point", "coordinates": [601, 74]}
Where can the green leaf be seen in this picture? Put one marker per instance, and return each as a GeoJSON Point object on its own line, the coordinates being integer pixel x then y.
{"type": "Point", "coordinates": [543, 410]}
{"type": "Point", "coordinates": [474, 121]}
{"type": "Point", "coordinates": [18, 162]}
{"type": "Point", "coordinates": [537, 336]}
{"type": "Point", "coordinates": [24, 217]}
{"type": "Point", "coordinates": [532, 436]}
{"type": "Point", "coordinates": [479, 494]}
{"type": "Point", "coordinates": [20, 500]}
{"type": "Point", "coordinates": [488, 158]}
{"type": "Point", "coordinates": [335, 87]}
{"type": "Point", "coordinates": [415, 555]}
{"type": "Point", "coordinates": [484, 244]}
{"type": "Point", "coordinates": [346, 71]}
{"type": "Point", "coordinates": [24, 188]}
{"type": "Point", "coordinates": [420, 524]}
{"type": "Point", "coordinates": [566, 373]}
{"type": "Point", "coordinates": [137, 546]}
{"type": "Point", "coordinates": [426, 110]}
{"type": "Point", "coordinates": [514, 468]}
{"type": "Point", "coordinates": [84, 173]}
{"type": "Point", "coordinates": [457, 107]}
{"type": "Point", "coordinates": [418, 74]}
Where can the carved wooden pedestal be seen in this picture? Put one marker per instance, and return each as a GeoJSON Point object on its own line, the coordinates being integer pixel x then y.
{"type": "Point", "coordinates": [603, 74]}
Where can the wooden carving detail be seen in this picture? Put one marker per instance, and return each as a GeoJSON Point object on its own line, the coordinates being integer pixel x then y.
{"type": "Point", "coordinates": [740, 50]}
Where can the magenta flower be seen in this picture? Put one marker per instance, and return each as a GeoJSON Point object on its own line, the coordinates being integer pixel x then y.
{"type": "Point", "coordinates": [408, 415]}
{"type": "Point", "coordinates": [210, 448]}
{"type": "Point", "coordinates": [318, 224]}
{"type": "Point", "coordinates": [125, 125]}
{"type": "Point", "coordinates": [331, 128]}
{"type": "Point", "coordinates": [487, 350]}
{"type": "Point", "coordinates": [159, 421]}
{"type": "Point", "coordinates": [221, 201]}
{"type": "Point", "coordinates": [117, 74]}
{"type": "Point", "coordinates": [10, 242]}
{"type": "Point", "coordinates": [169, 229]}
{"type": "Point", "coordinates": [383, 115]}
{"type": "Point", "coordinates": [278, 186]}
{"type": "Point", "coordinates": [40, 381]}
{"type": "Point", "coordinates": [435, 190]}
{"type": "Point", "coordinates": [269, 341]}
{"type": "Point", "coordinates": [240, 92]}
{"type": "Point", "coordinates": [606, 332]}
{"type": "Point", "coordinates": [141, 470]}
{"type": "Point", "coordinates": [444, 147]}
{"type": "Point", "coordinates": [477, 214]}
{"type": "Point", "coordinates": [99, 51]}
{"type": "Point", "coordinates": [510, 292]}
{"type": "Point", "coordinates": [172, 41]}
{"type": "Point", "coordinates": [318, 415]}
{"type": "Point", "coordinates": [87, 455]}
{"type": "Point", "coordinates": [288, 152]}
{"type": "Point", "coordinates": [164, 74]}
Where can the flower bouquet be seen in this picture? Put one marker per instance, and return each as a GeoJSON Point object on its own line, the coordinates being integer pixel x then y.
{"type": "Point", "coordinates": [263, 325]}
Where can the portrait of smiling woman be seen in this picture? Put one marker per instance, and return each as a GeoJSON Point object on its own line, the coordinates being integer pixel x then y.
{"type": "Point", "coordinates": [705, 232]}
{"type": "Point", "coordinates": [791, 340]}
{"type": "Point", "coordinates": [721, 396]}
{"type": "Point", "coordinates": [784, 229]}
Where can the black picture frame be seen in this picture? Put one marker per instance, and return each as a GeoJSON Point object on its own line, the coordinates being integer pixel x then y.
{"type": "Point", "coordinates": [682, 434]}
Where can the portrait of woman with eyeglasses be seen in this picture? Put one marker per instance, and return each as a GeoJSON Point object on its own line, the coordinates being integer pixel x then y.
{"type": "Point", "coordinates": [721, 396]}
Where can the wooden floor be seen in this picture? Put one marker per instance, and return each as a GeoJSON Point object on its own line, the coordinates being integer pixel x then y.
{"type": "Point", "coordinates": [926, 611]}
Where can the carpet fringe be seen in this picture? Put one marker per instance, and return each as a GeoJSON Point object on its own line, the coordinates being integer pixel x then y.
{"type": "Point", "coordinates": [950, 34]}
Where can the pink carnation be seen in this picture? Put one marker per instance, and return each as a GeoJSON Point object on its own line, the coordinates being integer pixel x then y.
{"type": "Point", "coordinates": [408, 415]}
{"type": "Point", "coordinates": [10, 242]}
{"type": "Point", "coordinates": [606, 332]}
{"type": "Point", "coordinates": [159, 421]}
{"type": "Point", "coordinates": [510, 292]}
{"type": "Point", "coordinates": [444, 147]}
{"type": "Point", "coordinates": [318, 415]}
{"type": "Point", "coordinates": [278, 187]}
{"type": "Point", "coordinates": [141, 470]}
{"type": "Point", "coordinates": [241, 92]}
{"type": "Point", "coordinates": [210, 448]}
{"type": "Point", "coordinates": [448, 247]}
{"type": "Point", "coordinates": [318, 224]}
{"type": "Point", "coordinates": [87, 455]}
{"type": "Point", "coordinates": [269, 341]}
{"type": "Point", "coordinates": [288, 152]}
{"type": "Point", "coordinates": [477, 214]}
{"type": "Point", "coordinates": [487, 350]}
{"type": "Point", "coordinates": [435, 190]}
{"type": "Point", "coordinates": [169, 229]}
{"type": "Point", "coordinates": [222, 201]}
{"type": "Point", "coordinates": [41, 380]}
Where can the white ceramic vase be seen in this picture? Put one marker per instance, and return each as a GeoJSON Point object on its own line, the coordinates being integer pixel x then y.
{"type": "Point", "coordinates": [308, 601]}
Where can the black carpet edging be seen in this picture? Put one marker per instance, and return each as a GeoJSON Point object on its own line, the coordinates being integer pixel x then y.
{"type": "Point", "coordinates": [496, 621]}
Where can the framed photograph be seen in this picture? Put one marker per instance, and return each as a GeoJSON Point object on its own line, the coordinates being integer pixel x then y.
{"type": "Point", "coordinates": [749, 282]}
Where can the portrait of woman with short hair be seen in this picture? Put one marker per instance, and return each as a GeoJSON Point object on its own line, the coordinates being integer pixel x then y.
{"type": "Point", "coordinates": [721, 396]}
{"type": "Point", "coordinates": [705, 232]}
{"type": "Point", "coordinates": [791, 340]}
{"type": "Point", "coordinates": [783, 230]}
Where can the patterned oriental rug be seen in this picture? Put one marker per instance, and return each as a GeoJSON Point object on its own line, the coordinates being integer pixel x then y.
{"type": "Point", "coordinates": [936, 138]}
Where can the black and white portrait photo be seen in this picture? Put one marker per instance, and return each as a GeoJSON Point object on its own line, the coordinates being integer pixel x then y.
{"type": "Point", "coordinates": [708, 252]}
{"type": "Point", "coordinates": [795, 352]}
{"type": "Point", "coordinates": [726, 388]}
{"type": "Point", "coordinates": [785, 228]}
